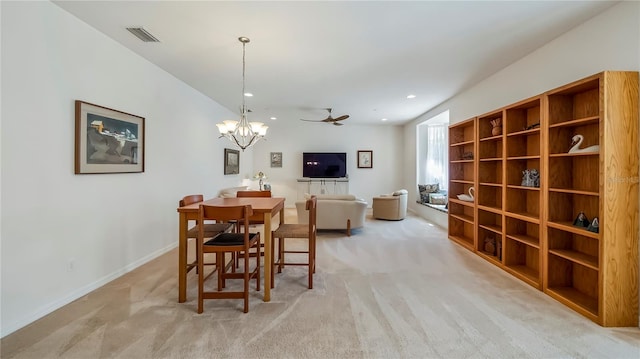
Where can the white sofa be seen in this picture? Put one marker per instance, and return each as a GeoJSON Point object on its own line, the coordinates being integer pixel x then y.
{"type": "Point", "coordinates": [335, 212]}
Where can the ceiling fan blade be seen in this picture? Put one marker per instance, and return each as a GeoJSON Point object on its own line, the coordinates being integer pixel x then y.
{"type": "Point", "coordinates": [338, 124]}
{"type": "Point", "coordinates": [302, 119]}
{"type": "Point", "coordinates": [343, 117]}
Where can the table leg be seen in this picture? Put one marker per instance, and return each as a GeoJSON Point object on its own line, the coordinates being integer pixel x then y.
{"type": "Point", "coordinates": [182, 259]}
{"type": "Point", "coordinates": [267, 257]}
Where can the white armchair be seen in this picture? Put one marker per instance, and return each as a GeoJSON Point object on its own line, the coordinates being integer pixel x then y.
{"type": "Point", "coordinates": [335, 212]}
{"type": "Point", "coordinates": [391, 206]}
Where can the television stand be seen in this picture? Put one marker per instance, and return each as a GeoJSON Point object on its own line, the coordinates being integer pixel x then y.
{"type": "Point", "coordinates": [322, 186]}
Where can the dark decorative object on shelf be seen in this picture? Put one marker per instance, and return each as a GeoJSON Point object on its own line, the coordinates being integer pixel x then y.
{"type": "Point", "coordinates": [467, 156]}
{"type": "Point", "coordinates": [530, 178]}
{"type": "Point", "coordinates": [490, 245]}
{"type": "Point", "coordinates": [594, 226]}
{"type": "Point", "coordinates": [581, 220]}
{"type": "Point", "coordinates": [531, 127]}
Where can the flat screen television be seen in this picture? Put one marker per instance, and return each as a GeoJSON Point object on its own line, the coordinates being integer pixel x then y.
{"type": "Point", "coordinates": [324, 164]}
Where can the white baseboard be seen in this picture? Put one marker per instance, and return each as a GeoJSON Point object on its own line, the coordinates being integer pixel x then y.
{"type": "Point", "coordinates": [61, 302]}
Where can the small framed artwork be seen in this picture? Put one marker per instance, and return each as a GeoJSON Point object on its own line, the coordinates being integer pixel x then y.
{"type": "Point", "coordinates": [107, 140]}
{"type": "Point", "coordinates": [231, 161]}
{"type": "Point", "coordinates": [365, 159]}
{"type": "Point", "coordinates": [276, 159]}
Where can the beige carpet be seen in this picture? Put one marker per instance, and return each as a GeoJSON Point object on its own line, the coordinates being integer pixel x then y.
{"type": "Point", "coordinates": [391, 290]}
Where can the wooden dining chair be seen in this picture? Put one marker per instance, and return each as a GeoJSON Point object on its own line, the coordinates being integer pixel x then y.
{"type": "Point", "coordinates": [257, 218]}
{"type": "Point", "coordinates": [210, 229]}
{"type": "Point", "coordinates": [225, 243]}
{"type": "Point", "coordinates": [297, 231]}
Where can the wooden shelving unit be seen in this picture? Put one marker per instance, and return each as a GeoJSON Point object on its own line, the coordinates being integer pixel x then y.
{"type": "Point", "coordinates": [462, 176]}
{"type": "Point", "coordinates": [490, 189]}
{"type": "Point", "coordinates": [523, 256]}
{"type": "Point", "coordinates": [594, 273]}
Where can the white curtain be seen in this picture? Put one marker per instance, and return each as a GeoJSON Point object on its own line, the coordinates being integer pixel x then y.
{"type": "Point", "coordinates": [437, 155]}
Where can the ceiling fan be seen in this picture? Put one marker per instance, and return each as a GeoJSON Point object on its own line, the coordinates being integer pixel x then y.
{"type": "Point", "coordinates": [330, 119]}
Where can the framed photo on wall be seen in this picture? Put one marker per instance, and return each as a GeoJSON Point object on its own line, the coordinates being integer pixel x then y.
{"type": "Point", "coordinates": [231, 161]}
{"type": "Point", "coordinates": [107, 140]}
{"type": "Point", "coordinates": [276, 159]}
{"type": "Point", "coordinates": [365, 159]}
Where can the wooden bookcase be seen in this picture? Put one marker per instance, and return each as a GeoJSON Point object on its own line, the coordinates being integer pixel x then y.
{"type": "Point", "coordinates": [462, 176]}
{"type": "Point", "coordinates": [594, 273]}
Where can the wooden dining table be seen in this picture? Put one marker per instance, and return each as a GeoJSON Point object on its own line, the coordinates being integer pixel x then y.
{"type": "Point", "coordinates": [268, 206]}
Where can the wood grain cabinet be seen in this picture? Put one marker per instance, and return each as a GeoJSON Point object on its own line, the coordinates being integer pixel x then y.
{"type": "Point", "coordinates": [527, 227]}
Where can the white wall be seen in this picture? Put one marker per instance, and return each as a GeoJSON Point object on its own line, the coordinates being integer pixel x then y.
{"type": "Point", "coordinates": [294, 137]}
{"type": "Point", "coordinates": [109, 224]}
{"type": "Point", "coordinates": [609, 41]}
{"type": "Point", "coordinates": [105, 224]}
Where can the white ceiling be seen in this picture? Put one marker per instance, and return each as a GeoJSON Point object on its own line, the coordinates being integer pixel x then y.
{"type": "Point", "coordinates": [361, 58]}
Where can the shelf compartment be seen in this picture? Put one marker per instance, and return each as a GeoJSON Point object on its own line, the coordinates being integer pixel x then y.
{"type": "Point", "coordinates": [565, 207]}
{"type": "Point", "coordinates": [461, 232]}
{"type": "Point", "coordinates": [573, 283]}
{"type": "Point", "coordinates": [489, 196]}
{"type": "Point", "coordinates": [490, 148]}
{"type": "Point", "coordinates": [523, 260]}
{"type": "Point", "coordinates": [490, 171]}
{"type": "Point", "coordinates": [461, 171]}
{"type": "Point", "coordinates": [462, 133]}
{"type": "Point", "coordinates": [523, 231]}
{"type": "Point", "coordinates": [485, 127]}
{"type": "Point", "coordinates": [456, 188]}
{"type": "Point", "coordinates": [523, 202]}
{"type": "Point", "coordinates": [485, 235]}
{"type": "Point", "coordinates": [461, 212]}
{"type": "Point", "coordinates": [490, 221]}
{"type": "Point", "coordinates": [578, 173]}
{"type": "Point", "coordinates": [560, 138]}
{"type": "Point", "coordinates": [574, 102]}
{"type": "Point", "coordinates": [574, 247]}
{"type": "Point", "coordinates": [516, 167]}
{"type": "Point", "coordinates": [524, 146]}
{"type": "Point", "coordinates": [457, 152]}
{"type": "Point", "coordinates": [522, 115]}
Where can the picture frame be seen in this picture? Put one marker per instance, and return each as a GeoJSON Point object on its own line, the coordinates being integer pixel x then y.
{"type": "Point", "coordinates": [276, 159]}
{"type": "Point", "coordinates": [107, 140]}
{"type": "Point", "coordinates": [365, 159]}
{"type": "Point", "coordinates": [231, 161]}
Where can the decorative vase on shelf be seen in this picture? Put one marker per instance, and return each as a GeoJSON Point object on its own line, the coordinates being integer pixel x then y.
{"type": "Point", "coordinates": [497, 127]}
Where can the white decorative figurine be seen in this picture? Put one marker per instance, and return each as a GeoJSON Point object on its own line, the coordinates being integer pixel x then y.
{"type": "Point", "coordinates": [576, 141]}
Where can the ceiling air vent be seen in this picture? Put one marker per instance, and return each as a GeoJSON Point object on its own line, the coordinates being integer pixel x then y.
{"type": "Point", "coordinates": [142, 34]}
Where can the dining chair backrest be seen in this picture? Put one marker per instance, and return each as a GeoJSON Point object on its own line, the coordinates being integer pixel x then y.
{"type": "Point", "coordinates": [191, 199]}
{"type": "Point", "coordinates": [253, 194]}
{"type": "Point", "coordinates": [225, 213]}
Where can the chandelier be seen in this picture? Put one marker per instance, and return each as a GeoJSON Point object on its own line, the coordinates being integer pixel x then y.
{"type": "Point", "coordinates": [243, 133]}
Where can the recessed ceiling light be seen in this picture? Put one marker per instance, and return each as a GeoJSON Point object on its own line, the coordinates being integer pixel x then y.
{"type": "Point", "coordinates": [273, 118]}
{"type": "Point", "coordinates": [384, 119]}
{"type": "Point", "coordinates": [411, 96]}
{"type": "Point", "coordinates": [248, 94]}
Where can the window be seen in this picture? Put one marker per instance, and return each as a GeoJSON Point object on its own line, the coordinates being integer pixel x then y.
{"type": "Point", "coordinates": [432, 147]}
